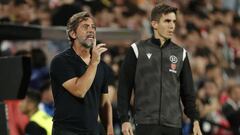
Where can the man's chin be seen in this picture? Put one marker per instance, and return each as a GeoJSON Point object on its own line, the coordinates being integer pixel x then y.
{"type": "Point", "coordinates": [170, 36]}
{"type": "Point", "coordinates": [90, 42]}
{"type": "Point", "coordinates": [88, 45]}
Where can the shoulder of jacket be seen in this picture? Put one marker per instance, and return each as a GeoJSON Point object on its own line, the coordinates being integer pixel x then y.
{"type": "Point", "coordinates": [176, 46]}
{"type": "Point", "coordinates": [140, 43]}
{"type": "Point", "coordinates": [179, 47]}
{"type": "Point", "coordinates": [135, 46]}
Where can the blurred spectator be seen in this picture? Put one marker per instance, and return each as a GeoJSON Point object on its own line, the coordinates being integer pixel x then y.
{"type": "Point", "coordinates": [44, 16]}
{"type": "Point", "coordinates": [214, 73]}
{"type": "Point", "coordinates": [46, 103]}
{"type": "Point", "coordinates": [5, 8]}
{"type": "Point", "coordinates": [17, 121]}
{"type": "Point", "coordinates": [105, 18]}
{"type": "Point", "coordinates": [209, 106]}
{"type": "Point", "coordinates": [107, 58]}
{"type": "Point", "coordinates": [231, 108]}
{"type": "Point", "coordinates": [40, 71]}
{"type": "Point", "coordinates": [64, 12]}
{"type": "Point", "coordinates": [24, 13]}
{"type": "Point", "coordinates": [7, 48]}
{"type": "Point", "coordinates": [40, 122]}
{"type": "Point", "coordinates": [23, 53]}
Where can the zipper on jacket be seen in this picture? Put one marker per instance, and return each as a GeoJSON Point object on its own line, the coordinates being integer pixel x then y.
{"type": "Point", "coordinates": [160, 98]}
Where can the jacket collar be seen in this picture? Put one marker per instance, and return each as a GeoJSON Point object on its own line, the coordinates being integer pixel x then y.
{"type": "Point", "coordinates": [157, 42]}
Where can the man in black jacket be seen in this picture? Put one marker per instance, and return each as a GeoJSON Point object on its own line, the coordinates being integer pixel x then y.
{"type": "Point", "coordinates": [159, 72]}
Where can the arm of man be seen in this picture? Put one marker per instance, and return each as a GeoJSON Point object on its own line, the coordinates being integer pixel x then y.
{"type": "Point", "coordinates": [106, 113]}
{"type": "Point", "coordinates": [126, 84]}
{"type": "Point", "coordinates": [78, 86]}
{"type": "Point", "coordinates": [188, 96]}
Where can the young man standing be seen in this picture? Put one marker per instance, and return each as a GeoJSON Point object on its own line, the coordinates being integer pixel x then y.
{"type": "Point", "coordinates": [159, 72]}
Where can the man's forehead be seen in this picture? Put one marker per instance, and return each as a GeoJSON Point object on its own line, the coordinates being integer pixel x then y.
{"type": "Point", "coordinates": [171, 16]}
{"type": "Point", "coordinates": [88, 20]}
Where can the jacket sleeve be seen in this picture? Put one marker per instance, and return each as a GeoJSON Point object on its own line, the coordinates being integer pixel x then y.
{"type": "Point", "coordinates": [126, 84]}
{"type": "Point", "coordinates": [187, 91]}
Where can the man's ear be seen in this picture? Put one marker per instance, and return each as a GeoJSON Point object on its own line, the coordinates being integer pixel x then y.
{"type": "Point", "coordinates": [154, 24]}
{"type": "Point", "coordinates": [73, 34]}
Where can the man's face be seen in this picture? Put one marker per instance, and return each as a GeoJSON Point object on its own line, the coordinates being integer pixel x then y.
{"type": "Point", "coordinates": [86, 33]}
{"type": "Point", "coordinates": [165, 26]}
{"type": "Point", "coordinates": [23, 13]}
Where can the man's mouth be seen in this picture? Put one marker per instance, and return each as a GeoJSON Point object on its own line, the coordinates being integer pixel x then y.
{"type": "Point", "coordinates": [90, 37]}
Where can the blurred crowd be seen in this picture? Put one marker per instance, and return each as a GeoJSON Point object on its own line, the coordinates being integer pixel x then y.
{"type": "Point", "coordinates": [208, 29]}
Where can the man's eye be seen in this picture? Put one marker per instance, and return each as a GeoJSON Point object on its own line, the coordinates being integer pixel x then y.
{"type": "Point", "coordinates": [85, 26]}
{"type": "Point", "coordinates": [94, 27]}
{"type": "Point", "coordinates": [168, 21]}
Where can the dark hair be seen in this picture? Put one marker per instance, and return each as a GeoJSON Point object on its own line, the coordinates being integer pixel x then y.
{"type": "Point", "coordinates": [160, 9]}
{"type": "Point", "coordinates": [22, 53]}
{"type": "Point", "coordinates": [38, 58]}
{"type": "Point", "coordinates": [74, 21]}
{"type": "Point", "coordinates": [34, 96]}
{"type": "Point", "coordinates": [210, 67]}
{"type": "Point", "coordinates": [45, 86]}
{"type": "Point", "coordinates": [4, 2]}
{"type": "Point", "coordinates": [19, 2]}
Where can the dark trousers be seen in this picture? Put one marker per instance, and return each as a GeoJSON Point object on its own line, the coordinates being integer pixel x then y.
{"type": "Point", "coordinates": [151, 129]}
{"type": "Point", "coordinates": [58, 131]}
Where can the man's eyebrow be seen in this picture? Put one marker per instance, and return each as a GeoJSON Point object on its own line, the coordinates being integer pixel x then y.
{"type": "Point", "coordinates": [88, 24]}
{"type": "Point", "coordinates": [168, 20]}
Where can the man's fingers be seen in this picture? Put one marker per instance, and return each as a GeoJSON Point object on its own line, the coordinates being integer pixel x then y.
{"type": "Point", "coordinates": [127, 131]}
{"type": "Point", "coordinates": [131, 131]}
{"type": "Point", "coordinates": [197, 133]}
{"type": "Point", "coordinates": [95, 42]}
{"type": "Point", "coordinates": [100, 45]}
{"type": "Point", "coordinates": [101, 50]}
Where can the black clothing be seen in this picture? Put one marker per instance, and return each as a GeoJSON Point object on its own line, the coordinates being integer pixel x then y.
{"type": "Point", "coordinates": [72, 113]}
{"type": "Point", "coordinates": [151, 129]}
{"type": "Point", "coordinates": [232, 112]}
{"type": "Point", "coordinates": [160, 77]}
{"type": "Point", "coordinates": [60, 131]}
{"type": "Point", "coordinates": [32, 128]}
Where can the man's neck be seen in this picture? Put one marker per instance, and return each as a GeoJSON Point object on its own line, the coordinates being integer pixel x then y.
{"type": "Point", "coordinates": [81, 51]}
{"type": "Point", "coordinates": [31, 113]}
{"type": "Point", "coordinates": [162, 39]}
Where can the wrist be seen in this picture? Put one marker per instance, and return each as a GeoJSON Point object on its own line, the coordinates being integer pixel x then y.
{"type": "Point", "coordinates": [110, 129]}
{"type": "Point", "coordinates": [93, 64]}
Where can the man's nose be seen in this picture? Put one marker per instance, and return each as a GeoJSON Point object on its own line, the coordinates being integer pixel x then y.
{"type": "Point", "coordinates": [172, 25]}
